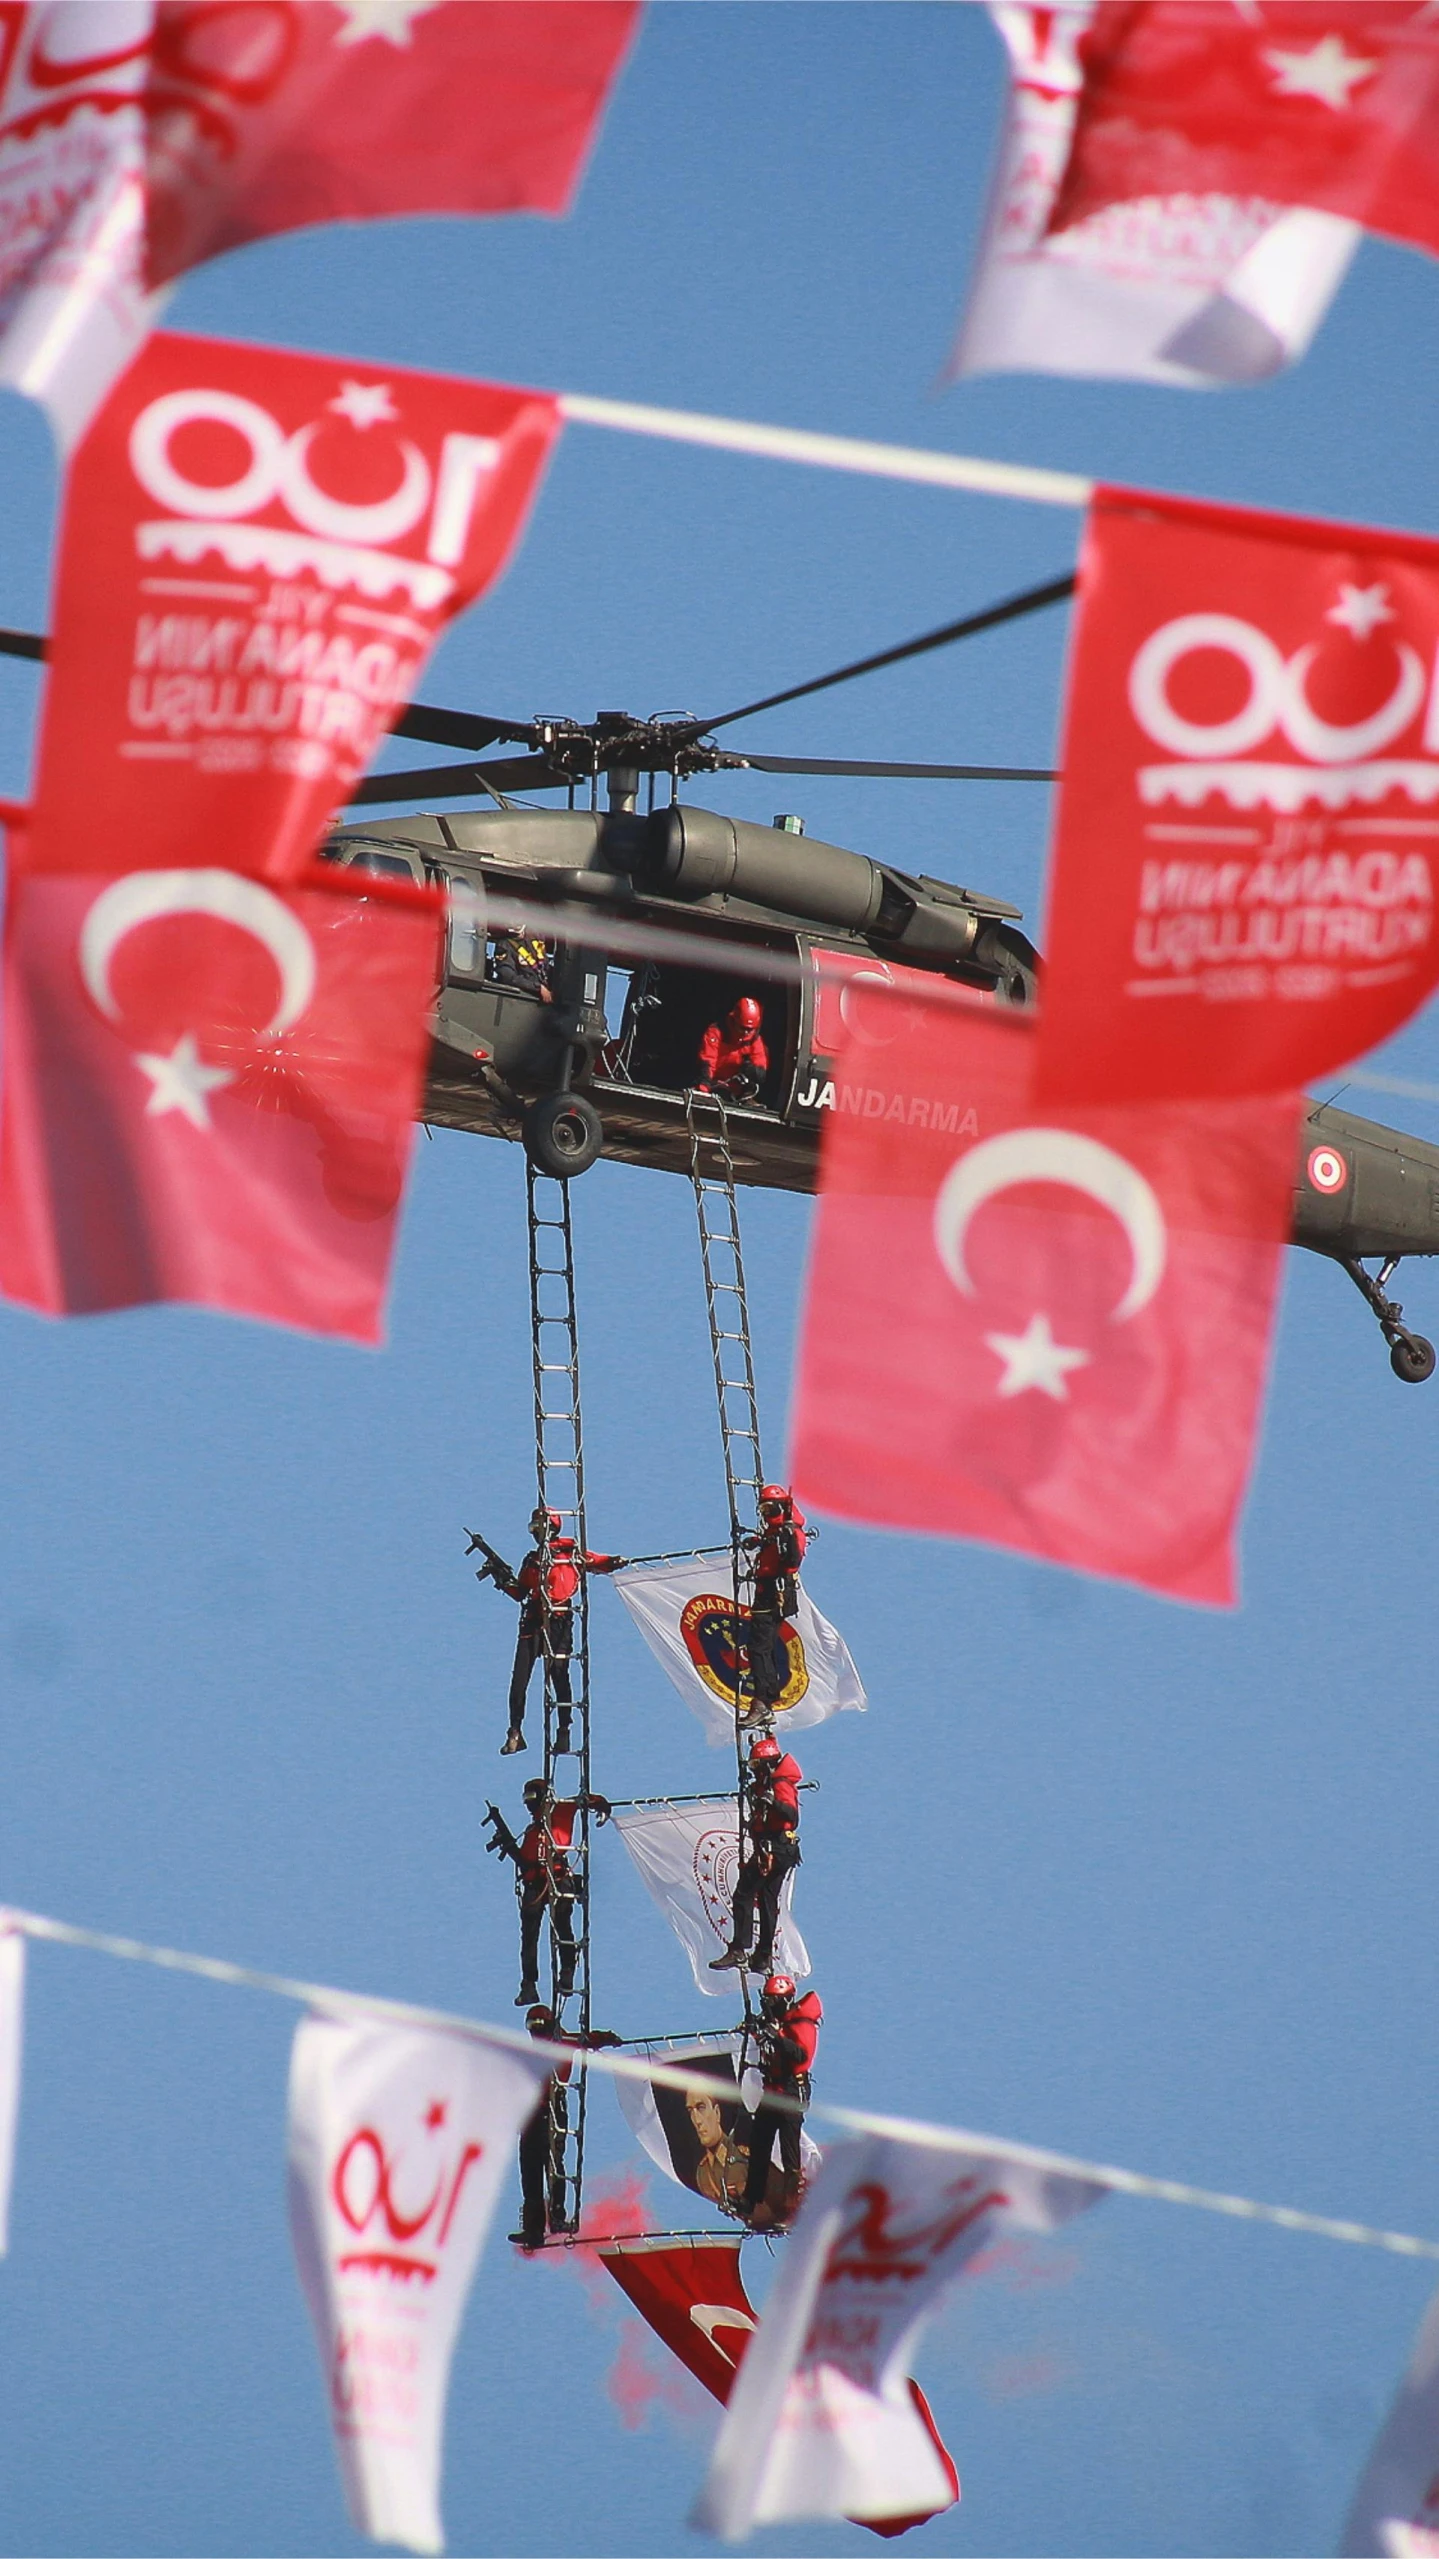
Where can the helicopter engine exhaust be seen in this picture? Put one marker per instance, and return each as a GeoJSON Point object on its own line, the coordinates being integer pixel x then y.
{"type": "Point", "coordinates": [696, 853]}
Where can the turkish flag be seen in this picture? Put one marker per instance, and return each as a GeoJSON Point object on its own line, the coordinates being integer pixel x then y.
{"type": "Point", "coordinates": [265, 118]}
{"type": "Point", "coordinates": [1047, 1330]}
{"type": "Point", "coordinates": [1334, 107]}
{"type": "Point", "coordinates": [209, 1091]}
{"type": "Point", "coordinates": [691, 2293]}
{"type": "Point", "coordinates": [258, 549]}
{"type": "Point", "coordinates": [1244, 877]}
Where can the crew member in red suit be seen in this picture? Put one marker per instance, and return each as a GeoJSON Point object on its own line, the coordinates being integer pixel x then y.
{"type": "Point", "coordinates": [545, 1587]}
{"type": "Point", "coordinates": [788, 2034]}
{"type": "Point", "coordinates": [770, 1823]}
{"type": "Point", "coordinates": [548, 1881]}
{"type": "Point", "coordinates": [734, 1060]}
{"type": "Point", "coordinates": [542, 2143]}
{"type": "Point", "coordinates": [778, 1552]}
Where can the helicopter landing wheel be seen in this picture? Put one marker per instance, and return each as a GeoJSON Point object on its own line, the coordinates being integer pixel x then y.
{"type": "Point", "coordinates": [1412, 1358]}
{"type": "Point", "coordinates": [563, 1133]}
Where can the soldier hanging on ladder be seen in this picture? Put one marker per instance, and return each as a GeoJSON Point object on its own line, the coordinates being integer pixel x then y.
{"type": "Point", "coordinates": [769, 1853]}
{"type": "Point", "coordinates": [544, 1588]}
{"type": "Point", "coordinates": [776, 1553]}
{"type": "Point", "coordinates": [544, 1878]}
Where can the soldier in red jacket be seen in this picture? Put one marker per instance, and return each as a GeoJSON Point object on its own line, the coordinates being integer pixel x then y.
{"type": "Point", "coordinates": [547, 1881]}
{"type": "Point", "coordinates": [777, 1554]}
{"type": "Point", "coordinates": [770, 1839]}
{"type": "Point", "coordinates": [545, 1588]}
{"type": "Point", "coordinates": [734, 1060]}
{"type": "Point", "coordinates": [788, 2036]}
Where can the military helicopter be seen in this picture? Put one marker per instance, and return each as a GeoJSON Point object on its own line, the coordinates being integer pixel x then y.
{"type": "Point", "coordinates": [732, 907]}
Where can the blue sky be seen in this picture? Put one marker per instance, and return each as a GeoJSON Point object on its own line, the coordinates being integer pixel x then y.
{"type": "Point", "coordinates": [1145, 1883]}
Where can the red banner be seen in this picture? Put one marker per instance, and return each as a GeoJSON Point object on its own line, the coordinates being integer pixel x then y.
{"type": "Point", "coordinates": [1244, 881]}
{"type": "Point", "coordinates": [209, 1092]}
{"type": "Point", "coordinates": [1336, 108]}
{"type": "Point", "coordinates": [258, 549]}
{"type": "Point", "coordinates": [1047, 1332]}
{"type": "Point", "coordinates": [268, 117]}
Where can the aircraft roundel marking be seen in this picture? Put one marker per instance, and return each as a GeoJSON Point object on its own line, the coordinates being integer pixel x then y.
{"type": "Point", "coordinates": [1327, 1169]}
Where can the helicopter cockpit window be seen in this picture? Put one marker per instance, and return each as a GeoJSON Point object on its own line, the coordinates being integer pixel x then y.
{"type": "Point", "coordinates": [382, 865]}
{"type": "Point", "coordinates": [465, 945]}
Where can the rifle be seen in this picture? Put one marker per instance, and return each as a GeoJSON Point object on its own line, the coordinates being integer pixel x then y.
{"type": "Point", "coordinates": [504, 1842]}
{"type": "Point", "coordinates": [494, 1568]}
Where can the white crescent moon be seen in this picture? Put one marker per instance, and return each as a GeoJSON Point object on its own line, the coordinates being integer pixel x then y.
{"type": "Point", "coordinates": [141, 896]}
{"type": "Point", "coordinates": [1054, 1155]}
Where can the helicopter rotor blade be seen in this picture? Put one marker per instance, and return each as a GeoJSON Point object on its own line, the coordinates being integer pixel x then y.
{"type": "Point", "coordinates": [23, 644]}
{"type": "Point", "coordinates": [902, 772]}
{"type": "Point", "coordinates": [425, 720]}
{"type": "Point", "coordinates": [1032, 600]}
{"type": "Point", "coordinates": [458, 781]}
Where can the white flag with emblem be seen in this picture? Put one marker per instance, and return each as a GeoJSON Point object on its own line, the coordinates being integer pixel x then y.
{"type": "Point", "coordinates": [1395, 2513]}
{"type": "Point", "coordinates": [689, 1857]}
{"type": "Point", "coordinates": [400, 2139]}
{"type": "Point", "coordinates": [1199, 291]}
{"type": "Point", "coordinates": [822, 2420]}
{"type": "Point", "coordinates": [685, 1613]}
{"type": "Point", "coordinates": [12, 2044]}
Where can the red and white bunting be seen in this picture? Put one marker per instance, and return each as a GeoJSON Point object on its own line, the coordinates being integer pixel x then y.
{"type": "Point", "coordinates": [257, 552]}
{"type": "Point", "coordinates": [1334, 107]}
{"type": "Point", "coordinates": [12, 2054]}
{"type": "Point", "coordinates": [1244, 880]}
{"type": "Point", "coordinates": [821, 2420]}
{"type": "Point", "coordinates": [209, 1090]}
{"type": "Point", "coordinates": [400, 2140]}
{"type": "Point", "coordinates": [1195, 292]}
{"type": "Point", "coordinates": [136, 140]}
{"type": "Point", "coordinates": [1045, 1328]}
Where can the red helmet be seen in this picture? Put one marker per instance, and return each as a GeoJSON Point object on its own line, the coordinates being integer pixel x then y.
{"type": "Point", "coordinates": [541, 1518]}
{"type": "Point", "coordinates": [779, 1986]}
{"type": "Point", "coordinates": [764, 1746]}
{"type": "Point", "coordinates": [746, 1015]}
{"type": "Point", "coordinates": [775, 1497]}
{"type": "Point", "coordinates": [540, 2019]}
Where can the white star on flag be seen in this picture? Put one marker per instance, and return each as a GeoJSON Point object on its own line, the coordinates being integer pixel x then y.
{"type": "Point", "coordinates": [1360, 609]}
{"type": "Point", "coordinates": [1034, 1358]}
{"type": "Point", "coordinates": [181, 1081]}
{"type": "Point", "coordinates": [1326, 72]}
{"type": "Point", "coordinates": [365, 404]}
{"type": "Point", "coordinates": [387, 18]}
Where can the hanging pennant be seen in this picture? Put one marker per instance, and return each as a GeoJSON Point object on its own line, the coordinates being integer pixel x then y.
{"type": "Point", "coordinates": [686, 1614]}
{"type": "Point", "coordinates": [1395, 2513]}
{"type": "Point", "coordinates": [400, 2140]}
{"type": "Point", "coordinates": [256, 554]}
{"type": "Point", "coordinates": [1244, 877]}
{"type": "Point", "coordinates": [1196, 291]}
{"type": "Point", "coordinates": [209, 1092]}
{"type": "Point", "coordinates": [821, 2420]}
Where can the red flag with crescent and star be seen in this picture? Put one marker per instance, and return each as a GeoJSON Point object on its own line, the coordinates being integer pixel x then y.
{"type": "Point", "coordinates": [1333, 106]}
{"type": "Point", "coordinates": [257, 552]}
{"type": "Point", "coordinates": [1247, 847]}
{"type": "Point", "coordinates": [208, 1092]}
{"type": "Point", "coordinates": [1047, 1329]}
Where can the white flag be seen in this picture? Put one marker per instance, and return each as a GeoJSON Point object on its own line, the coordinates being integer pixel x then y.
{"type": "Point", "coordinates": [12, 2046]}
{"type": "Point", "coordinates": [1395, 2514]}
{"type": "Point", "coordinates": [73, 309]}
{"type": "Point", "coordinates": [400, 2140]}
{"type": "Point", "coordinates": [1201, 291]}
{"type": "Point", "coordinates": [685, 1613]}
{"type": "Point", "coordinates": [699, 2140]}
{"type": "Point", "coordinates": [689, 1856]}
{"type": "Point", "coordinates": [822, 2420]}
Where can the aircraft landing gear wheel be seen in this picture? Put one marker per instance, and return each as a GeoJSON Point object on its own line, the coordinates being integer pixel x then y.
{"type": "Point", "coordinates": [563, 1133]}
{"type": "Point", "coordinates": [1412, 1358]}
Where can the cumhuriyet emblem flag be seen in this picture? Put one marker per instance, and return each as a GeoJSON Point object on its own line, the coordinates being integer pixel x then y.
{"type": "Point", "coordinates": [685, 1613]}
{"type": "Point", "coordinates": [689, 1857]}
